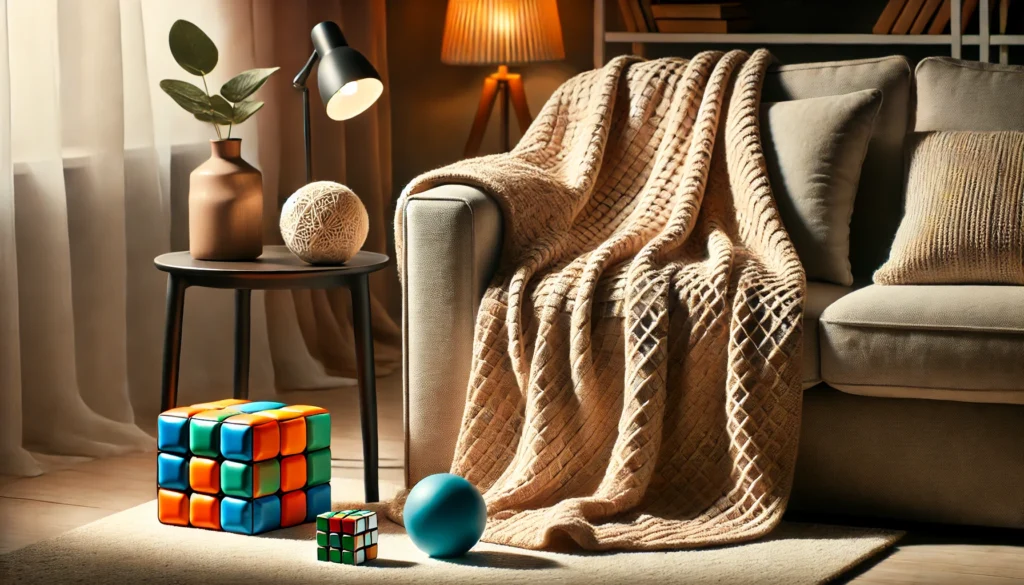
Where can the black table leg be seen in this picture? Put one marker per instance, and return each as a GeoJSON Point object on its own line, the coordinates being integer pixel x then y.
{"type": "Point", "coordinates": [242, 302]}
{"type": "Point", "coordinates": [172, 341]}
{"type": "Point", "coordinates": [360, 289]}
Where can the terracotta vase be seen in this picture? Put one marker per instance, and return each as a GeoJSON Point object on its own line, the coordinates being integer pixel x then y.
{"type": "Point", "coordinates": [225, 206]}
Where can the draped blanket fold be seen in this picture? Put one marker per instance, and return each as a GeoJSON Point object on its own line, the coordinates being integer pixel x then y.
{"type": "Point", "coordinates": [635, 381]}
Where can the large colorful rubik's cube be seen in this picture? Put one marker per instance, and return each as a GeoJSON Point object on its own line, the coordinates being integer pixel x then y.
{"type": "Point", "coordinates": [348, 537]}
{"type": "Point", "coordinates": [241, 466]}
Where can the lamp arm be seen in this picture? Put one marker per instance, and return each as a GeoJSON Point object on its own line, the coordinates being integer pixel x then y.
{"type": "Point", "coordinates": [300, 83]}
{"type": "Point", "coordinates": [300, 80]}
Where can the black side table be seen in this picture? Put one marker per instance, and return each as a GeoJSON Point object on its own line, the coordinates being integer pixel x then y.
{"type": "Point", "coordinates": [277, 268]}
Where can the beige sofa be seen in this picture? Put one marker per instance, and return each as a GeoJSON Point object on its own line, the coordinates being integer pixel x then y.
{"type": "Point", "coordinates": [914, 402]}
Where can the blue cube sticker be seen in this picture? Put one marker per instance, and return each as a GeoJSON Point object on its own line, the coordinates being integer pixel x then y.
{"type": "Point", "coordinates": [172, 472]}
{"type": "Point", "coordinates": [172, 434]}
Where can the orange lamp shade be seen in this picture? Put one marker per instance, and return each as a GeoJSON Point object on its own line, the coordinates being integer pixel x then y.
{"type": "Point", "coordinates": [501, 31]}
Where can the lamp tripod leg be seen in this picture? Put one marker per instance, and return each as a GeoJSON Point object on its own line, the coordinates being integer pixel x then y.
{"type": "Point", "coordinates": [506, 144]}
{"type": "Point", "coordinates": [518, 95]}
{"type": "Point", "coordinates": [483, 114]}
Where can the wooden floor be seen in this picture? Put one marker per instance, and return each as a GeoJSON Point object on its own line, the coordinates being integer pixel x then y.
{"type": "Point", "coordinates": [33, 509]}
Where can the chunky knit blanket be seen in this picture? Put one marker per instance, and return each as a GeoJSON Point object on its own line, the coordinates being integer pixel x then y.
{"type": "Point", "coordinates": [635, 383]}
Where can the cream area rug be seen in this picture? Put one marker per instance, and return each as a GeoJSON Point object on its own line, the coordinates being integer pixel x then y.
{"type": "Point", "coordinates": [132, 547]}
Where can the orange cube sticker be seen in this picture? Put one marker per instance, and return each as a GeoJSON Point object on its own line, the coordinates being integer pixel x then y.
{"type": "Point", "coordinates": [293, 473]}
{"type": "Point", "coordinates": [204, 511]}
{"type": "Point", "coordinates": [172, 507]}
{"type": "Point", "coordinates": [183, 411]}
{"type": "Point", "coordinates": [266, 441]}
{"type": "Point", "coordinates": [293, 508]}
{"type": "Point", "coordinates": [293, 436]}
{"type": "Point", "coordinates": [219, 404]}
{"type": "Point", "coordinates": [304, 409]}
{"type": "Point", "coordinates": [204, 475]}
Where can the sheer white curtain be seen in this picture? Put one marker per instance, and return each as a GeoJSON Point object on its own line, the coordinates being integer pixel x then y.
{"type": "Point", "coordinates": [94, 165]}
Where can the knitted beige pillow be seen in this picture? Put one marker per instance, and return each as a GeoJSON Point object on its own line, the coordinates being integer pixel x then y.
{"type": "Point", "coordinates": [963, 221]}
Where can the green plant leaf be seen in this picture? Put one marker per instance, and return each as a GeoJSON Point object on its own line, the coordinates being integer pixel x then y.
{"type": "Point", "coordinates": [191, 48]}
{"type": "Point", "coordinates": [222, 111]}
{"type": "Point", "coordinates": [245, 109]}
{"type": "Point", "coordinates": [186, 95]}
{"type": "Point", "coordinates": [245, 83]}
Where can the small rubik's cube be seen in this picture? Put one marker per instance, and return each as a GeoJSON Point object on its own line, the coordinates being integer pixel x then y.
{"type": "Point", "coordinates": [348, 537]}
{"type": "Point", "coordinates": [241, 466]}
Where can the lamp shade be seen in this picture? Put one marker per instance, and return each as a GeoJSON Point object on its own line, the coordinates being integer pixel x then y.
{"type": "Point", "coordinates": [348, 83]}
{"type": "Point", "coordinates": [501, 31]}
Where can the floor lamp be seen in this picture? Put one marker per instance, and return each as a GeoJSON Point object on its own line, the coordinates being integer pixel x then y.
{"type": "Point", "coordinates": [501, 32]}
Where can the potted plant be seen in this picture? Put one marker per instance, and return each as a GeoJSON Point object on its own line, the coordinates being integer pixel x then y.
{"type": "Point", "coordinates": [225, 201]}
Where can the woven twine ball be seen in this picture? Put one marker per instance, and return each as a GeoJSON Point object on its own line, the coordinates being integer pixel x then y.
{"type": "Point", "coordinates": [324, 223]}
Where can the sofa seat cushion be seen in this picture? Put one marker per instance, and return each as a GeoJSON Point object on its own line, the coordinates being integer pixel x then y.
{"type": "Point", "coordinates": [962, 343]}
{"type": "Point", "coordinates": [819, 296]}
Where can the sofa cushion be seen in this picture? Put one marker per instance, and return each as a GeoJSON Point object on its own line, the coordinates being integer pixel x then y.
{"type": "Point", "coordinates": [814, 149]}
{"type": "Point", "coordinates": [879, 204]}
{"type": "Point", "coordinates": [967, 95]}
{"type": "Point", "coordinates": [943, 342]}
{"type": "Point", "coordinates": [819, 296]}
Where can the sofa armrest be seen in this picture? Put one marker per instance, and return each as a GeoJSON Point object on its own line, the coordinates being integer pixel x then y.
{"type": "Point", "coordinates": [452, 239]}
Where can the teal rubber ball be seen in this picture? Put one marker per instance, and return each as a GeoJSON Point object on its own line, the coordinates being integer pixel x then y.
{"type": "Point", "coordinates": [444, 515]}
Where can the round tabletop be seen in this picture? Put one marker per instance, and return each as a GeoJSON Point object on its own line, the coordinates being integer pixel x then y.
{"type": "Point", "coordinates": [275, 268]}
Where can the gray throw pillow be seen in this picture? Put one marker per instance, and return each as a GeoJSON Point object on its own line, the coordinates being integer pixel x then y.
{"type": "Point", "coordinates": [814, 149]}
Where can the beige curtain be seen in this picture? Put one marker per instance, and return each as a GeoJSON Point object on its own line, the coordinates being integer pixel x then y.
{"type": "Point", "coordinates": [94, 165]}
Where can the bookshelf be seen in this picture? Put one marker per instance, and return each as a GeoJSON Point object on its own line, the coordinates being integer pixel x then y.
{"type": "Point", "coordinates": [985, 40]}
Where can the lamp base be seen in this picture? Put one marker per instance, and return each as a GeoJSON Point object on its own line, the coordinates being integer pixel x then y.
{"type": "Point", "coordinates": [510, 86]}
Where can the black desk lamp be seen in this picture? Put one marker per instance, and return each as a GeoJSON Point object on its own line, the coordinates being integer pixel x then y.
{"type": "Point", "coordinates": [348, 82]}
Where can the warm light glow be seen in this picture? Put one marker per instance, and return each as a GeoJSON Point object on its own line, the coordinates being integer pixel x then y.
{"type": "Point", "coordinates": [503, 22]}
{"type": "Point", "coordinates": [501, 31]}
{"type": "Point", "coordinates": [354, 98]}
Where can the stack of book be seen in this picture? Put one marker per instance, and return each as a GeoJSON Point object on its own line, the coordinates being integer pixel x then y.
{"type": "Point", "coordinates": [914, 17]}
{"type": "Point", "coordinates": [683, 16]}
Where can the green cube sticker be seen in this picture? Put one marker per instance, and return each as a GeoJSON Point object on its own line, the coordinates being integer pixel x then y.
{"type": "Point", "coordinates": [250, 480]}
{"type": "Point", "coordinates": [266, 478]}
{"type": "Point", "coordinates": [335, 555]}
{"type": "Point", "coordinates": [204, 435]}
{"type": "Point", "coordinates": [204, 438]}
{"type": "Point", "coordinates": [318, 431]}
{"type": "Point", "coordinates": [353, 558]}
{"type": "Point", "coordinates": [323, 521]}
{"type": "Point", "coordinates": [321, 553]}
{"type": "Point", "coordinates": [334, 540]}
{"type": "Point", "coordinates": [321, 538]}
{"type": "Point", "coordinates": [236, 479]}
{"type": "Point", "coordinates": [318, 467]}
